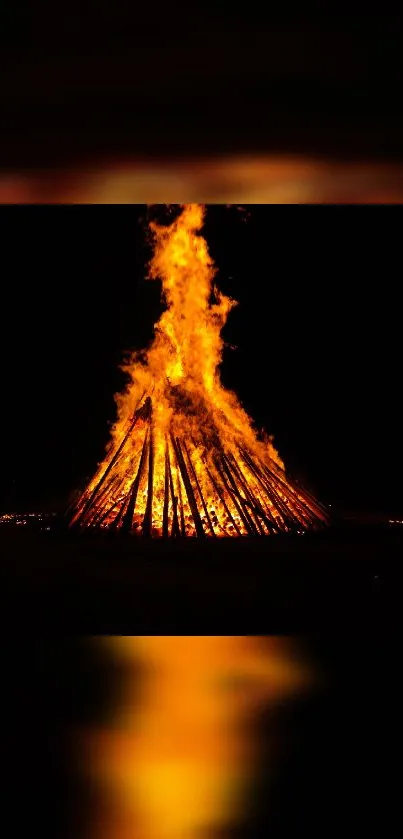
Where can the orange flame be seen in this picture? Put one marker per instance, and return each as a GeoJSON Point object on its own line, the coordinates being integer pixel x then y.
{"type": "Point", "coordinates": [161, 472]}
{"type": "Point", "coordinates": [180, 757]}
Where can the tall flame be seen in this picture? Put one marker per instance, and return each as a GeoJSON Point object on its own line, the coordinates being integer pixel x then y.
{"type": "Point", "coordinates": [181, 755]}
{"type": "Point", "coordinates": [187, 349]}
{"type": "Point", "coordinates": [184, 458]}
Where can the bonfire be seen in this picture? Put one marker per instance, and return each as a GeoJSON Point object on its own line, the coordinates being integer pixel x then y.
{"type": "Point", "coordinates": [184, 458]}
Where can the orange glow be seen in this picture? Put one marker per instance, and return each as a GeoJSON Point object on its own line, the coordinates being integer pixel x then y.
{"type": "Point", "coordinates": [181, 754]}
{"type": "Point", "coordinates": [184, 458]}
{"type": "Point", "coordinates": [238, 179]}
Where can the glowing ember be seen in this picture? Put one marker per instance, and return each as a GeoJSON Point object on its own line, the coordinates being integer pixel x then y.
{"type": "Point", "coordinates": [184, 458]}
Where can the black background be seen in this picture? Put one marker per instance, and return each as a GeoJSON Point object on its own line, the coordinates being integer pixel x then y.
{"type": "Point", "coordinates": [85, 80]}
{"type": "Point", "coordinates": [316, 332]}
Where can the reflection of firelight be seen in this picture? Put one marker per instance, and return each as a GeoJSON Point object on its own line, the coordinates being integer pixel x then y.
{"type": "Point", "coordinates": [179, 759]}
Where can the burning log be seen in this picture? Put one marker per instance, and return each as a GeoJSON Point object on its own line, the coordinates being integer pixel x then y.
{"type": "Point", "coordinates": [267, 503]}
{"type": "Point", "coordinates": [221, 496]}
{"type": "Point", "coordinates": [285, 509]}
{"type": "Point", "coordinates": [147, 522]}
{"type": "Point", "coordinates": [195, 478]}
{"type": "Point", "coordinates": [188, 486]}
{"type": "Point", "coordinates": [97, 514]}
{"type": "Point", "coordinates": [127, 520]}
{"type": "Point", "coordinates": [113, 461]}
{"type": "Point", "coordinates": [166, 495]}
{"type": "Point", "coordinates": [175, 521]}
{"type": "Point", "coordinates": [258, 511]}
{"type": "Point", "coordinates": [246, 499]}
{"type": "Point", "coordinates": [181, 510]}
{"type": "Point", "coordinates": [312, 508]}
{"type": "Point", "coordinates": [106, 511]}
{"type": "Point", "coordinates": [236, 498]}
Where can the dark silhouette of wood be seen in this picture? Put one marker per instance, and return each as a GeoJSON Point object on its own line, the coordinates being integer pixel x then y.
{"type": "Point", "coordinates": [221, 496]}
{"type": "Point", "coordinates": [189, 489]}
{"type": "Point", "coordinates": [254, 501]}
{"type": "Point", "coordinates": [115, 457]}
{"type": "Point", "coordinates": [196, 480]}
{"type": "Point", "coordinates": [128, 518]}
{"type": "Point", "coordinates": [175, 521]}
{"type": "Point", "coordinates": [236, 498]}
{"type": "Point", "coordinates": [166, 495]}
{"type": "Point", "coordinates": [181, 509]}
{"type": "Point", "coordinates": [248, 490]}
{"type": "Point", "coordinates": [147, 521]}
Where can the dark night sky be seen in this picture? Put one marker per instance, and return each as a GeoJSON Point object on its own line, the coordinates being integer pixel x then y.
{"type": "Point", "coordinates": [317, 332]}
{"type": "Point", "coordinates": [83, 78]}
